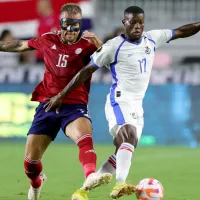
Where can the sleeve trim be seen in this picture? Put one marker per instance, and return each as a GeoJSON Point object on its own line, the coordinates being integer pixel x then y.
{"type": "Point", "coordinates": [94, 64]}
{"type": "Point", "coordinates": [173, 33]}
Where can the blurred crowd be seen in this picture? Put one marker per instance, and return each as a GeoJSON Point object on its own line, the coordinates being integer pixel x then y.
{"type": "Point", "coordinates": [48, 18]}
{"type": "Point", "coordinates": [47, 22]}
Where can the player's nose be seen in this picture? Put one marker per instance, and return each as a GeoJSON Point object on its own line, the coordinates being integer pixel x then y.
{"type": "Point", "coordinates": [137, 26]}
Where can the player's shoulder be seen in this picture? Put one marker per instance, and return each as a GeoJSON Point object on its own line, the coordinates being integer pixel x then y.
{"type": "Point", "coordinates": [115, 42]}
{"type": "Point", "coordinates": [111, 46]}
{"type": "Point", "coordinates": [153, 35]}
{"type": "Point", "coordinates": [50, 35]}
{"type": "Point", "coordinates": [156, 32]}
{"type": "Point", "coordinates": [150, 33]}
{"type": "Point", "coordinates": [50, 38]}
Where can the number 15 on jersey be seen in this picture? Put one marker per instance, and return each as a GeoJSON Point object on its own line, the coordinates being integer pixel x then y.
{"type": "Point", "coordinates": [62, 60]}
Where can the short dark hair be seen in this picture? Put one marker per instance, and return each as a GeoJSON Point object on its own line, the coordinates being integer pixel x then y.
{"type": "Point", "coordinates": [133, 9]}
{"type": "Point", "coordinates": [71, 8]}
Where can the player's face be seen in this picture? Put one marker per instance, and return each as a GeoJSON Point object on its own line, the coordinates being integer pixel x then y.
{"type": "Point", "coordinates": [70, 36]}
{"type": "Point", "coordinates": [134, 26]}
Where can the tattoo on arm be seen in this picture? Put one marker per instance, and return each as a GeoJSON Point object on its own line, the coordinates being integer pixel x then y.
{"type": "Point", "coordinates": [14, 46]}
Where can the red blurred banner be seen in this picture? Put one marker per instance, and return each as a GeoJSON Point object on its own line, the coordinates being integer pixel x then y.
{"type": "Point", "coordinates": [21, 10]}
{"type": "Point", "coordinates": [21, 17]}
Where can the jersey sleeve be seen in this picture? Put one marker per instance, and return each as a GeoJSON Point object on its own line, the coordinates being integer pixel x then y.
{"type": "Point", "coordinates": [104, 56]}
{"type": "Point", "coordinates": [160, 37]}
{"type": "Point", "coordinates": [36, 43]}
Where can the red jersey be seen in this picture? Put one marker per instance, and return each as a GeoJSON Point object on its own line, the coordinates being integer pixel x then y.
{"type": "Point", "coordinates": [47, 24]}
{"type": "Point", "coordinates": [62, 62]}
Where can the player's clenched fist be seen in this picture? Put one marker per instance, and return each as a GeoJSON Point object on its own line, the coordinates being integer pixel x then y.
{"type": "Point", "coordinates": [53, 103]}
{"type": "Point", "coordinates": [92, 38]}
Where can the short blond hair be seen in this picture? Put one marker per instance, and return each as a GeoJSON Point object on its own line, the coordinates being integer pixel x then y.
{"type": "Point", "coordinates": [71, 8]}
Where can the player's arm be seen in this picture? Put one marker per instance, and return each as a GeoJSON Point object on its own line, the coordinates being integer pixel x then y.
{"type": "Point", "coordinates": [79, 78]}
{"type": "Point", "coordinates": [186, 30]}
{"type": "Point", "coordinates": [15, 46]}
{"type": "Point", "coordinates": [92, 38]}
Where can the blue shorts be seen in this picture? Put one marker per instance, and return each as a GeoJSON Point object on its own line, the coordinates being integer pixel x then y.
{"type": "Point", "coordinates": [49, 123]}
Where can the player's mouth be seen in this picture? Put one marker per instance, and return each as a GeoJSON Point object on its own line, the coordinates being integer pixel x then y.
{"type": "Point", "coordinates": [137, 33]}
{"type": "Point", "coordinates": [70, 34]}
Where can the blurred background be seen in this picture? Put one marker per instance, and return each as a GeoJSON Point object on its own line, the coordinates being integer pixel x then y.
{"type": "Point", "coordinates": [172, 101]}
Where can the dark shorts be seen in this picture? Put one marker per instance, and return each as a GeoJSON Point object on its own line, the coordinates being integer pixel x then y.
{"type": "Point", "coordinates": [49, 123]}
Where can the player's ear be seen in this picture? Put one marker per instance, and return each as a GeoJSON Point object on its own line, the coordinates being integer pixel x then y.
{"type": "Point", "coordinates": [123, 21]}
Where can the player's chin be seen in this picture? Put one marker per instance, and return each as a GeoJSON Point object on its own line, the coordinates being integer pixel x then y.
{"type": "Point", "coordinates": [136, 36]}
{"type": "Point", "coordinates": [70, 38]}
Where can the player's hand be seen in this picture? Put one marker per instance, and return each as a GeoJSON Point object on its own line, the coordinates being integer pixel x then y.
{"type": "Point", "coordinates": [92, 38]}
{"type": "Point", "coordinates": [53, 103]}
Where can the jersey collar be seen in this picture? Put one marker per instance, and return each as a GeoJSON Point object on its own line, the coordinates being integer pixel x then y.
{"type": "Point", "coordinates": [135, 43]}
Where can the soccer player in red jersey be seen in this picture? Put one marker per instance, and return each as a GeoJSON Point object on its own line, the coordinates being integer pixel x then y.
{"type": "Point", "coordinates": [65, 53]}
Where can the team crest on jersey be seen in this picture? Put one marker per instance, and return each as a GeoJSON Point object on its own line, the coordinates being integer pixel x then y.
{"type": "Point", "coordinates": [78, 51]}
{"type": "Point", "coordinates": [147, 50]}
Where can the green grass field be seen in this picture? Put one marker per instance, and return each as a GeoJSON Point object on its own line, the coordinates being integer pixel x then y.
{"type": "Point", "coordinates": [178, 169]}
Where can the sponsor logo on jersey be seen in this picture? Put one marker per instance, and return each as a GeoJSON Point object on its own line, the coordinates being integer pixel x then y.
{"type": "Point", "coordinates": [134, 115]}
{"type": "Point", "coordinates": [130, 54]}
{"type": "Point", "coordinates": [53, 47]}
{"type": "Point", "coordinates": [81, 110]}
{"type": "Point", "coordinates": [78, 51]}
{"type": "Point", "coordinates": [84, 112]}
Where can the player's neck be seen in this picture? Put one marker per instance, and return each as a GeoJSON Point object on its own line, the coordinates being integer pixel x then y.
{"type": "Point", "coordinates": [72, 42]}
{"type": "Point", "coordinates": [133, 40]}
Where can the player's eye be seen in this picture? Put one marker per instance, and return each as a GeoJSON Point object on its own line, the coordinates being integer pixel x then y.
{"type": "Point", "coordinates": [64, 24]}
{"type": "Point", "coordinates": [132, 23]}
{"type": "Point", "coordinates": [129, 22]}
{"type": "Point", "coordinates": [76, 25]}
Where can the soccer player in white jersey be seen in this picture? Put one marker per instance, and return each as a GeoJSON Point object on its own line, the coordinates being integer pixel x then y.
{"type": "Point", "coordinates": [129, 58]}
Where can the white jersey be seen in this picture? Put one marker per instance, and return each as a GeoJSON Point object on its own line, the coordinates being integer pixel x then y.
{"type": "Point", "coordinates": [130, 63]}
